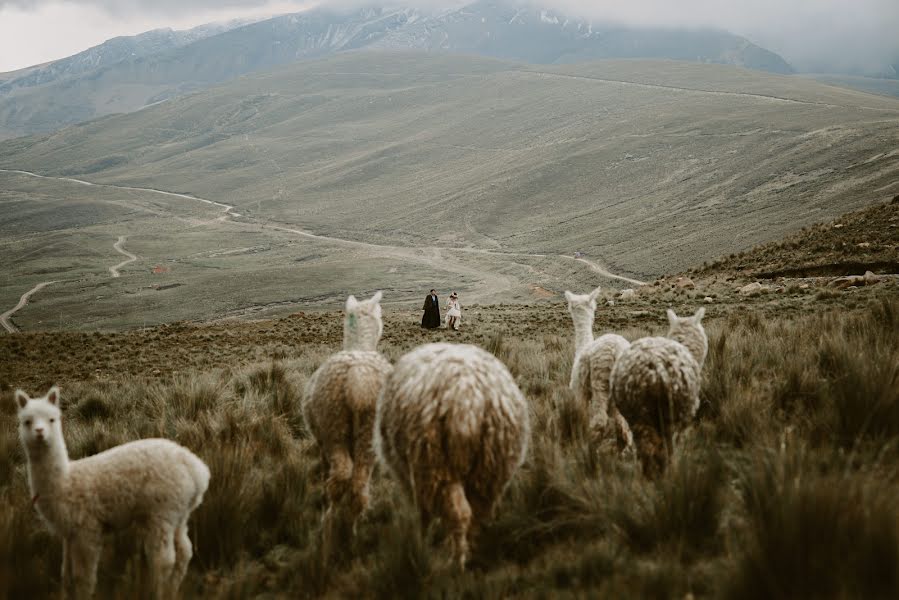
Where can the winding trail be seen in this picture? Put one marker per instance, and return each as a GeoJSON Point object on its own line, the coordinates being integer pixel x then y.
{"type": "Point", "coordinates": [228, 209]}
{"type": "Point", "coordinates": [605, 272]}
{"type": "Point", "coordinates": [4, 318]}
{"type": "Point", "coordinates": [432, 256]}
{"type": "Point", "coordinates": [114, 271]}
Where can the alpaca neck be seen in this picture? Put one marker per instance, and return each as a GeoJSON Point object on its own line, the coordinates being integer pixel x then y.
{"type": "Point", "coordinates": [583, 331]}
{"type": "Point", "coordinates": [48, 469]}
{"type": "Point", "coordinates": [695, 341]}
{"type": "Point", "coordinates": [360, 340]}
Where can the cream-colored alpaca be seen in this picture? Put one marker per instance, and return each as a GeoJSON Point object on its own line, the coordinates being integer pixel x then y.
{"type": "Point", "coordinates": [339, 407]}
{"type": "Point", "coordinates": [154, 483]}
{"type": "Point", "coordinates": [591, 370]}
{"type": "Point", "coordinates": [655, 385]}
{"type": "Point", "coordinates": [453, 427]}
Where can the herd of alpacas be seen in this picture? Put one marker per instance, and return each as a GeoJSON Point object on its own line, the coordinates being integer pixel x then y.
{"type": "Point", "coordinates": [448, 421]}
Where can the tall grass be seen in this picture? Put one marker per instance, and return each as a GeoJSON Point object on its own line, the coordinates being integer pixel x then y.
{"type": "Point", "coordinates": [784, 488]}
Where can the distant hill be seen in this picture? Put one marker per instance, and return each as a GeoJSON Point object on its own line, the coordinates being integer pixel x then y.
{"type": "Point", "coordinates": [859, 241]}
{"type": "Point", "coordinates": [109, 53]}
{"type": "Point", "coordinates": [648, 167]}
{"type": "Point", "coordinates": [126, 74]}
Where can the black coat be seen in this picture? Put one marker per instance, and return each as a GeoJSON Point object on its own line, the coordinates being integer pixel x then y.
{"type": "Point", "coordinates": [431, 318]}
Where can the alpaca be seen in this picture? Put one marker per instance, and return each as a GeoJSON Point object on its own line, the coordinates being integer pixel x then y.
{"type": "Point", "coordinates": [591, 370]}
{"type": "Point", "coordinates": [339, 407]}
{"type": "Point", "coordinates": [154, 482]}
{"type": "Point", "coordinates": [655, 385]}
{"type": "Point", "coordinates": [453, 427]}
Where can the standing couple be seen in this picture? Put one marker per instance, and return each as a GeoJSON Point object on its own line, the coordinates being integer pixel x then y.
{"type": "Point", "coordinates": [431, 318]}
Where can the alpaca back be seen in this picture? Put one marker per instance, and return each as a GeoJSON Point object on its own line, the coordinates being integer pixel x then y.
{"type": "Point", "coordinates": [146, 477]}
{"type": "Point", "coordinates": [347, 383]}
{"type": "Point", "coordinates": [593, 369]}
{"type": "Point", "coordinates": [656, 382]}
{"type": "Point", "coordinates": [452, 413]}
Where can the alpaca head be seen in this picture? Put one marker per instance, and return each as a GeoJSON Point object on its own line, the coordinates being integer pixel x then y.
{"type": "Point", "coordinates": [582, 309]}
{"type": "Point", "coordinates": [40, 421]}
{"type": "Point", "coordinates": [582, 305]}
{"type": "Point", "coordinates": [362, 326]}
{"type": "Point", "coordinates": [689, 332]}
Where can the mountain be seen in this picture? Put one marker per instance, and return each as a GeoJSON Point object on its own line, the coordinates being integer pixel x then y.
{"type": "Point", "coordinates": [127, 74]}
{"type": "Point", "coordinates": [503, 29]}
{"type": "Point", "coordinates": [111, 52]}
{"type": "Point", "coordinates": [647, 166]}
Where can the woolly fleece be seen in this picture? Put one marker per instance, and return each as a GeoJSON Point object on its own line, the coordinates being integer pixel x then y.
{"type": "Point", "coordinates": [339, 407]}
{"type": "Point", "coordinates": [655, 385]}
{"type": "Point", "coordinates": [153, 482]}
{"type": "Point", "coordinates": [453, 427]}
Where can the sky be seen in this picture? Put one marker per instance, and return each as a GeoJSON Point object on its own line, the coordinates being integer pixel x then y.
{"type": "Point", "coordinates": [810, 34]}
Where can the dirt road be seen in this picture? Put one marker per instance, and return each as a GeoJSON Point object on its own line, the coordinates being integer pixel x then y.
{"type": "Point", "coordinates": [114, 270]}
{"type": "Point", "coordinates": [4, 318]}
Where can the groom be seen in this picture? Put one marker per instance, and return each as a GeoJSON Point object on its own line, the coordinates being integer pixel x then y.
{"type": "Point", "coordinates": [431, 318]}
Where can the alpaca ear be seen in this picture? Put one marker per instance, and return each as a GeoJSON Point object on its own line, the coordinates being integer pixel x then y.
{"type": "Point", "coordinates": [351, 302]}
{"type": "Point", "coordinates": [377, 297]}
{"type": "Point", "coordinates": [21, 399]}
{"type": "Point", "coordinates": [595, 294]}
{"type": "Point", "coordinates": [699, 314]}
{"type": "Point", "coordinates": [53, 396]}
{"type": "Point", "coordinates": [569, 296]}
{"type": "Point", "coordinates": [672, 318]}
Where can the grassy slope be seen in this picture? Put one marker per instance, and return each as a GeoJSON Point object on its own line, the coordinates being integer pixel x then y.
{"type": "Point", "coordinates": [853, 243]}
{"type": "Point", "coordinates": [793, 459]}
{"type": "Point", "coordinates": [413, 149]}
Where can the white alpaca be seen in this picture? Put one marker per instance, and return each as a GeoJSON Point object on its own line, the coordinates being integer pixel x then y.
{"type": "Point", "coordinates": [453, 427]}
{"type": "Point", "coordinates": [155, 483]}
{"type": "Point", "coordinates": [339, 407]}
{"type": "Point", "coordinates": [655, 385]}
{"type": "Point", "coordinates": [592, 369]}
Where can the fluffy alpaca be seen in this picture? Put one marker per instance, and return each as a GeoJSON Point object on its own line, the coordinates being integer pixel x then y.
{"type": "Point", "coordinates": [453, 427]}
{"type": "Point", "coordinates": [154, 482]}
{"type": "Point", "coordinates": [655, 385]}
{"type": "Point", "coordinates": [339, 407]}
{"type": "Point", "coordinates": [591, 370]}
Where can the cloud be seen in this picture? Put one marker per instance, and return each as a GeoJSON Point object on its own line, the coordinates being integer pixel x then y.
{"type": "Point", "coordinates": [811, 34]}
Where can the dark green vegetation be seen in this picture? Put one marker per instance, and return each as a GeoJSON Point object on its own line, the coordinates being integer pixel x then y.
{"type": "Point", "coordinates": [648, 167]}
{"type": "Point", "coordinates": [784, 487]}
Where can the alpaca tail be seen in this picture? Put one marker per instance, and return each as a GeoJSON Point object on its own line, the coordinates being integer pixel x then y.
{"type": "Point", "coordinates": [200, 474]}
{"type": "Point", "coordinates": [361, 394]}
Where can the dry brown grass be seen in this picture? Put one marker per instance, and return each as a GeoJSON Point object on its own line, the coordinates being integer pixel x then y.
{"type": "Point", "coordinates": [783, 488]}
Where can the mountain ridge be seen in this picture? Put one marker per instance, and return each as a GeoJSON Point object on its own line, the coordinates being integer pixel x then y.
{"type": "Point", "coordinates": [126, 74]}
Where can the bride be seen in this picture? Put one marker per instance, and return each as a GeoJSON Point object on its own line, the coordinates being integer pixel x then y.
{"type": "Point", "coordinates": [453, 312]}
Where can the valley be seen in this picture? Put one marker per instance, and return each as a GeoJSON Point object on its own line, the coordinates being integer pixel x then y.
{"type": "Point", "coordinates": [291, 189]}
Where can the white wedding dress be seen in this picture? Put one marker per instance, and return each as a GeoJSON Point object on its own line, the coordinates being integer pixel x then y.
{"type": "Point", "coordinates": [454, 309]}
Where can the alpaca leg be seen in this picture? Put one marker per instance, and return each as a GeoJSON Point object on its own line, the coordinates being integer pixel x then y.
{"type": "Point", "coordinates": [363, 459]}
{"type": "Point", "coordinates": [458, 517]}
{"type": "Point", "coordinates": [183, 553]}
{"type": "Point", "coordinates": [651, 449]}
{"type": "Point", "coordinates": [337, 488]}
{"type": "Point", "coordinates": [83, 554]}
{"type": "Point", "coordinates": [66, 569]}
{"type": "Point", "coordinates": [623, 436]}
{"type": "Point", "coordinates": [160, 549]}
{"type": "Point", "coordinates": [340, 473]}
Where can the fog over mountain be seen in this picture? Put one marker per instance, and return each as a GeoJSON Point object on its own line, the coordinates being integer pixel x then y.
{"type": "Point", "coordinates": [848, 36]}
